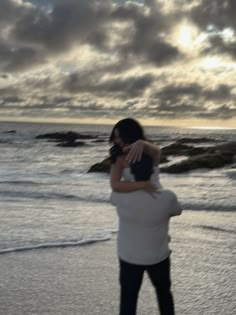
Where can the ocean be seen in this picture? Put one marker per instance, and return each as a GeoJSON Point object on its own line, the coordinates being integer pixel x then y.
{"type": "Point", "coordinates": [47, 197]}
{"type": "Point", "coordinates": [58, 229]}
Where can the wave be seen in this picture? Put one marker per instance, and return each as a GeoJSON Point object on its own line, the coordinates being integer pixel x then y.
{"type": "Point", "coordinates": [214, 228]}
{"type": "Point", "coordinates": [82, 242]}
{"type": "Point", "coordinates": [231, 173]}
{"type": "Point", "coordinates": [20, 182]}
{"type": "Point", "coordinates": [8, 195]}
{"type": "Point", "coordinates": [209, 207]}
{"type": "Point", "coordinates": [28, 182]}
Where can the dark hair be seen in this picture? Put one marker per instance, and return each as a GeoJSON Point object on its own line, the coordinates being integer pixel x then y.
{"type": "Point", "coordinates": [143, 169]}
{"type": "Point", "coordinates": [115, 151]}
{"type": "Point", "coordinates": [129, 129]}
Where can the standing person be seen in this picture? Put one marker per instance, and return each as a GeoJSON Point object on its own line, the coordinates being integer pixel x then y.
{"type": "Point", "coordinates": [130, 143]}
{"type": "Point", "coordinates": [143, 240]}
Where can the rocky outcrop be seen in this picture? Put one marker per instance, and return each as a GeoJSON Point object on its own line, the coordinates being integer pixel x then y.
{"type": "Point", "coordinates": [210, 161]}
{"type": "Point", "coordinates": [194, 140]}
{"type": "Point", "coordinates": [10, 131]}
{"type": "Point", "coordinates": [102, 167]}
{"type": "Point", "coordinates": [164, 159]}
{"type": "Point", "coordinates": [5, 141]}
{"type": "Point", "coordinates": [198, 157]}
{"type": "Point", "coordinates": [175, 149]}
{"type": "Point", "coordinates": [99, 141]}
{"type": "Point", "coordinates": [105, 165]}
{"type": "Point", "coordinates": [66, 139]}
{"type": "Point", "coordinates": [71, 144]}
{"type": "Point", "coordinates": [210, 157]}
{"type": "Point", "coordinates": [69, 136]}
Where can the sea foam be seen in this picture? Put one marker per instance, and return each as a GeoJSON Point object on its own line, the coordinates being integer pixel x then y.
{"type": "Point", "coordinates": [82, 242]}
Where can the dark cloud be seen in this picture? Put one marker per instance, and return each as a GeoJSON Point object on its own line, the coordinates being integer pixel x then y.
{"type": "Point", "coordinates": [128, 87]}
{"type": "Point", "coordinates": [69, 22]}
{"type": "Point", "coordinates": [175, 93]}
{"type": "Point", "coordinates": [215, 17]}
{"type": "Point", "coordinates": [145, 32]}
{"type": "Point", "coordinates": [12, 99]}
{"type": "Point", "coordinates": [220, 93]}
{"type": "Point", "coordinates": [10, 11]}
{"type": "Point", "coordinates": [216, 14]}
{"type": "Point", "coordinates": [183, 110]}
{"type": "Point", "coordinates": [225, 111]}
{"type": "Point", "coordinates": [220, 112]}
{"type": "Point", "coordinates": [217, 45]}
{"type": "Point", "coordinates": [173, 110]}
{"type": "Point", "coordinates": [4, 76]}
{"type": "Point", "coordinates": [177, 108]}
{"type": "Point", "coordinates": [61, 99]}
{"type": "Point", "coordinates": [192, 100]}
{"type": "Point", "coordinates": [37, 34]}
{"type": "Point", "coordinates": [9, 91]}
{"type": "Point", "coordinates": [20, 58]}
{"type": "Point", "coordinates": [131, 55]}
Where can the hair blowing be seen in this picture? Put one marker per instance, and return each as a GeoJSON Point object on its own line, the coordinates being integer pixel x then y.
{"type": "Point", "coordinates": [129, 130]}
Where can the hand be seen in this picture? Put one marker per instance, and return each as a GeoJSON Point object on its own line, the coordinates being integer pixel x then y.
{"type": "Point", "coordinates": [135, 151]}
{"type": "Point", "coordinates": [150, 188]}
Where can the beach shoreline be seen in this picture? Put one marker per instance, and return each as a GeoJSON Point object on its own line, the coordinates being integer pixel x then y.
{"type": "Point", "coordinates": [84, 280]}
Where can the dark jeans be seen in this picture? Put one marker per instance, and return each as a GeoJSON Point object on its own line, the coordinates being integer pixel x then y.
{"type": "Point", "coordinates": [131, 277]}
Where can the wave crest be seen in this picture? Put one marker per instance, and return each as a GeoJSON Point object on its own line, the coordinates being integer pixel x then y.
{"type": "Point", "coordinates": [82, 242]}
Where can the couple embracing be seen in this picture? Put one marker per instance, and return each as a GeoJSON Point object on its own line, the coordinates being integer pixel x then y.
{"type": "Point", "coordinates": [144, 209]}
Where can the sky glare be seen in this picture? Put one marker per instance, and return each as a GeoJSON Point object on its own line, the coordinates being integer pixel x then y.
{"type": "Point", "coordinates": [170, 62]}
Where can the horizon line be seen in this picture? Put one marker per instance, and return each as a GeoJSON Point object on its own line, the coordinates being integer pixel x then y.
{"type": "Point", "coordinates": [73, 122]}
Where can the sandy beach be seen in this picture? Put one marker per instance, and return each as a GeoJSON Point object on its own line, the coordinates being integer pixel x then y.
{"type": "Point", "coordinates": [84, 280]}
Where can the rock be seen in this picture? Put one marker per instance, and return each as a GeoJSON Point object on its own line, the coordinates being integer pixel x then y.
{"type": "Point", "coordinates": [105, 165]}
{"type": "Point", "coordinates": [194, 140]}
{"type": "Point", "coordinates": [102, 167]}
{"type": "Point", "coordinates": [225, 147]}
{"type": "Point", "coordinates": [188, 150]}
{"type": "Point", "coordinates": [69, 136]}
{"type": "Point", "coordinates": [5, 141]}
{"type": "Point", "coordinates": [164, 159]}
{"type": "Point", "coordinates": [175, 149]}
{"type": "Point", "coordinates": [210, 161]}
{"type": "Point", "coordinates": [99, 141]}
{"type": "Point", "coordinates": [202, 157]}
{"type": "Point", "coordinates": [71, 144]}
{"type": "Point", "coordinates": [10, 131]}
{"type": "Point", "coordinates": [196, 151]}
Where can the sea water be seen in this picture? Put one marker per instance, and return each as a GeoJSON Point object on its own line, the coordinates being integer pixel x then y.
{"type": "Point", "coordinates": [48, 198]}
{"type": "Point", "coordinates": [51, 207]}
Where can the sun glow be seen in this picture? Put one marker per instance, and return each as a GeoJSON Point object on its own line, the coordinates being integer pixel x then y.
{"type": "Point", "coordinates": [187, 37]}
{"type": "Point", "coordinates": [212, 62]}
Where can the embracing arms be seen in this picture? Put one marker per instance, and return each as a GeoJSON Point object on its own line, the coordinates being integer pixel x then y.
{"type": "Point", "coordinates": [134, 153]}
{"type": "Point", "coordinates": [126, 186]}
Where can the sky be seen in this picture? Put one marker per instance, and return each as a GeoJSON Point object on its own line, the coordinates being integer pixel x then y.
{"type": "Point", "coordinates": [163, 62]}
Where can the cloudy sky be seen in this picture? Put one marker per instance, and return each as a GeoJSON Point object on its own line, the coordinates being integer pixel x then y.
{"type": "Point", "coordinates": [160, 61]}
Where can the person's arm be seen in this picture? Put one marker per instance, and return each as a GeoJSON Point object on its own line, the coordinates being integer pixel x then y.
{"type": "Point", "coordinates": [127, 186]}
{"type": "Point", "coordinates": [154, 151]}
{"type": "Point", "coordinates": [136, 149]}
{"type": "Point", "coordinates": [176, 208]}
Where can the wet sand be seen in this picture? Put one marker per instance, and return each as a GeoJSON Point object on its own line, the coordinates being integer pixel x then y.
{"type": "Point", "coordinates": [84, 280]}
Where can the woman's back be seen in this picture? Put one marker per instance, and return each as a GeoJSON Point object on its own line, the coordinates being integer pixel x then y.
{"type": "Point", "coordinates": [128, 176]}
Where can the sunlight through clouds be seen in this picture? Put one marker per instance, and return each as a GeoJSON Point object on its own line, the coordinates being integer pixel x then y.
{"type": "Point", "coordinates": [158, 59]}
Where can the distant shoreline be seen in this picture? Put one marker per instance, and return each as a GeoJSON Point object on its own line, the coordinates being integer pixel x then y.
{"type": "Point", "coordinates": [218, 128]}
